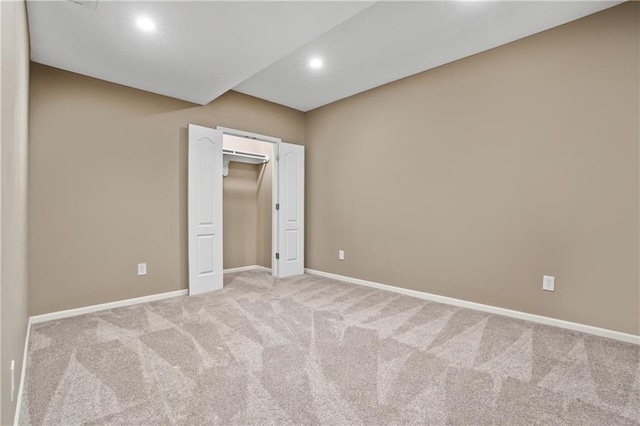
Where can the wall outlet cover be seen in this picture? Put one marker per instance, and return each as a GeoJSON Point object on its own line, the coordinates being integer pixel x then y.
{"type": "Point", "coordinates": [13, 379]}
{"type": "Point", "coordinates": [142, 269]}
{"type": "Point", "coordinates": [340, 254]}
{"type": "Point", "coordinates": [548, 283]}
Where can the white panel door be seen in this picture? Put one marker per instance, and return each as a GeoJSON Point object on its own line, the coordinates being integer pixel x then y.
{"type": "Point", "coordinates": [205, 209]}
{"type": "Point", "coordinates": [291, 212]}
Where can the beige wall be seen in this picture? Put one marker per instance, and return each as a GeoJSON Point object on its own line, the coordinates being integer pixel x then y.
{"type": "Point", "coordinates": [240, 216]}
{"type": "Point", "coordinates": [108, 184]}
{"type": "Point", "coordinates": [14, 87]}
{"type": "Point", "coordinates": [474, 179]}
{"type": "Point", "coordinates": [247, 207]}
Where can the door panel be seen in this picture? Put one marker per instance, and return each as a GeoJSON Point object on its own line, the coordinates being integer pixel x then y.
{"type": "Point", "coordinates": [291, 220]}
{"type": "Point", "coordinates": [205, 209]}
{"type": "Point", "coordinates": [291, 249]}
{"type": "Point", "coordinates": [206, 253]}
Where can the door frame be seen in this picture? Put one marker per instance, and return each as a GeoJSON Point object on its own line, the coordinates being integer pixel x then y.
{"type": "Point", "coordinates": [275, 194]}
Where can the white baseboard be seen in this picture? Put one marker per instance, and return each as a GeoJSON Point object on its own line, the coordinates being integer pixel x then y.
{"type": "Point", "coordinates": [127, 302]}
{"type": "Point", "coordinates": [246, 268]}
{"type": "Point", "coordinates": [23, 374]}
{"type": "Point", "coordinates": [603, 332]}
{"type": "Point", "coordinates": [104, 306]}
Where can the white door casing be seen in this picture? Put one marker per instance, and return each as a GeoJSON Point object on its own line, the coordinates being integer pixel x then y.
{"type": "Point", "coordinates": [205, 209]}
{"type": "Point", "coordinates": [291, 212]}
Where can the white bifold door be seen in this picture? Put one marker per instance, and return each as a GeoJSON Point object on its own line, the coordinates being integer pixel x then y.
{"type": "Point", "coordinates": [291, 212]}
{"type": "Point", "coordinates": [205, 209]}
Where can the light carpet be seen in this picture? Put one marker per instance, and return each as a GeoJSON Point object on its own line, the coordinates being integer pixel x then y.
{"type": "Point", "coordinates": [310, 350]}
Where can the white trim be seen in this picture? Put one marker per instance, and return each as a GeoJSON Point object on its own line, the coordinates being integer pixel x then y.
{"type": "Point", "coordinates": [603, 332]}
{"type": "Point", "coordinates": [23, 374]}
{"type": "Point", "coordinates": [104, 306]}
{"type": "Point", "coordinates": [245, 268]}
{"type": "Point", "coordinates": [275, 213]}
{"type": "Point", "coordinates": [243, 134]}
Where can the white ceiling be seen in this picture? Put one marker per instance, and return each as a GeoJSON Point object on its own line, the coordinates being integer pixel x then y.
{"type": "Point", "coordinates": [198, 51]}
{"type": "Point", "coordinates": [392, 40]}
{"type": "Point", "coordinates": [202, 49]}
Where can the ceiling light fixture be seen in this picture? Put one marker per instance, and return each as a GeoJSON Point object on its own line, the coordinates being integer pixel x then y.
{"type": "Point", "coordinates": [146, 24]}
{"type": "Point", "coordinates": [315, 63]}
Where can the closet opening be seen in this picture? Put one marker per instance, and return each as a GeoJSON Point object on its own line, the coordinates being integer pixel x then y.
{"type": "Point", "coordinates": [245, 207]}
{"type": "Point", "coordinates": [248, 191]}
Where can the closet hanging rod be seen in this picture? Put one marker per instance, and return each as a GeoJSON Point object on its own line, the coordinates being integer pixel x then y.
{"type": "Point", "coordinates": [248, 155]}
{"type": "Point", "coordinates": [229, 155]}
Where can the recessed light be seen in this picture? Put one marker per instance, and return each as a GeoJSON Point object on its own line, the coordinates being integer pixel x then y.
{"type": "Point", "coordinates": [145, 24]}
{"type": "Point", "coordinates": [315, 63]}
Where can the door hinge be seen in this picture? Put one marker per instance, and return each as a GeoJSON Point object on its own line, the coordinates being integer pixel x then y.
{"type": "Point", "coordinates": [277, 255]}
{"type": "Point", "coordinates": [277, 206]}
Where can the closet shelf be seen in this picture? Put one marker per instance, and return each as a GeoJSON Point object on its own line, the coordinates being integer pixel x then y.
{"type": "Point", "coordinates": [229, 155]}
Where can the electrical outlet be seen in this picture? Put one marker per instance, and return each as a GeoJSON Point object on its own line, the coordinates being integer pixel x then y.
{"type": "Point", "coordinates": [13, 378]}
{"type": "Point", "coordinates": [340, 254]}
{"type": "Point", "coordinates": [548, 283]}
{"type": "Point", "coordinates": [142, 269]}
